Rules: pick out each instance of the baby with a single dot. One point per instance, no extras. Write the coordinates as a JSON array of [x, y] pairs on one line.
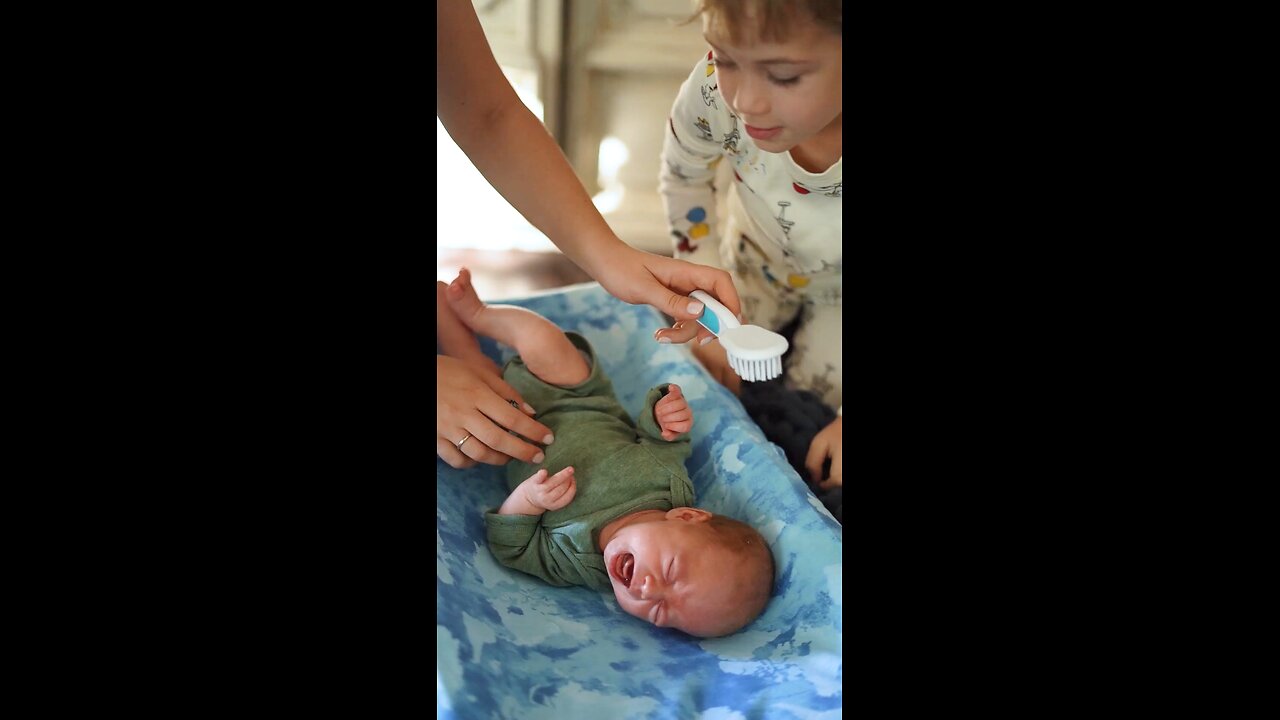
[[618, 510]]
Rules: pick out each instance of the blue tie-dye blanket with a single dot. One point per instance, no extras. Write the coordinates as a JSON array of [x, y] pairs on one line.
[[509, 646]]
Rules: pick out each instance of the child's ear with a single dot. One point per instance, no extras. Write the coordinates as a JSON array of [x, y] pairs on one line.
[[688, 514]]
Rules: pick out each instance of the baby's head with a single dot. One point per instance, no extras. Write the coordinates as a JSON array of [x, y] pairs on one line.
[[705, 574], [779, 65]]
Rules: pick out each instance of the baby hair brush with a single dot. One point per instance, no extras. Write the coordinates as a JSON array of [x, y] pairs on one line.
[[754, 353]]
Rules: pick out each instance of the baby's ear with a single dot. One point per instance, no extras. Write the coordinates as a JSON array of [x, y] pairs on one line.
[[688, 514]]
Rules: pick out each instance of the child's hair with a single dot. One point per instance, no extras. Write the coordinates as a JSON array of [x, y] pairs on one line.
[[770, 20], [753, 552]]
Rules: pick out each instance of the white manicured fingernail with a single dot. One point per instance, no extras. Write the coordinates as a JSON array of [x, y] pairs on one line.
[[539, 458], [706, 340], [548, 439], [664, 340], [695, 307]]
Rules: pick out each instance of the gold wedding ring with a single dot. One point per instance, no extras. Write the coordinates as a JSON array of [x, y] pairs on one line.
[[468, 437]]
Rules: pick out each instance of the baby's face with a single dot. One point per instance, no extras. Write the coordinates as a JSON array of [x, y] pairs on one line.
[[674, 573]]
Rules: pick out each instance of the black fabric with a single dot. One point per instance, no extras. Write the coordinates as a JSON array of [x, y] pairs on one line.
[[790, 419]]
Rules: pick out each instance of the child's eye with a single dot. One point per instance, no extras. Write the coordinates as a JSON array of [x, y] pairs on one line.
[[721, 62], [784, 81]]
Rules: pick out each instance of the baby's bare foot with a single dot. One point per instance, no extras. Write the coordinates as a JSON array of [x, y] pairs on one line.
[[463, 299]]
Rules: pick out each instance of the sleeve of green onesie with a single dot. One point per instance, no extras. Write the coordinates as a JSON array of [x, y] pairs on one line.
[[521, 543], [671, 453]]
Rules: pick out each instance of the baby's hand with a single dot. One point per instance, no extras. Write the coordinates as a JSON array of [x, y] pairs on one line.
[[673, 414], [550, 493]]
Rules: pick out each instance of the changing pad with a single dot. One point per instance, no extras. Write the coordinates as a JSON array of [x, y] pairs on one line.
[[510, 646]]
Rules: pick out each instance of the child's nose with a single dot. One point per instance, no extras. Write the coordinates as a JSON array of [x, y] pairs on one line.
[[751, 98]]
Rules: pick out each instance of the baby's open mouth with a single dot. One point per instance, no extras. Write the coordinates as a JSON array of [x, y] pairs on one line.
[[623, 566]]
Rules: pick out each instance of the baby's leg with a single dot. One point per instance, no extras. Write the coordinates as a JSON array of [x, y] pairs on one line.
[[455, 339], [545, 349]]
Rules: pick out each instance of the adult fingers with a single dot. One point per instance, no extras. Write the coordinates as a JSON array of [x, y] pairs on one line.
[[680, 332], [833, 481], [723, 290], [480, 451], [713, 281], [500, 410], [446, 451], [507, 394], [501, 443], [681, 307]]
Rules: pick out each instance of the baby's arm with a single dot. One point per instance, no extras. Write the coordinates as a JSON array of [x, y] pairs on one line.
[[541, 493]]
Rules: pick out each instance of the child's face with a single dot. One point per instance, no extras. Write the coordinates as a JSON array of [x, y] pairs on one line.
[[672, 572], [784, 93]]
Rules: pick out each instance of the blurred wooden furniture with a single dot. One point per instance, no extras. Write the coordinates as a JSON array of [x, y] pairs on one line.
[[509, 273]]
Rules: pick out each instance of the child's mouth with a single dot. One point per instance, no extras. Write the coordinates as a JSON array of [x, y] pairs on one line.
[[623, 566], [763, 133]]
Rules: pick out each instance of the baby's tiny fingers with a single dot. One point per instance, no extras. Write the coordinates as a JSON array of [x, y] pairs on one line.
[[560, 477], [558, 493], [677, 414]]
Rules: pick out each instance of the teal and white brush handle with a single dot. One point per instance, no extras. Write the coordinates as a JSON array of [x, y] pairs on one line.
[[754, 353]]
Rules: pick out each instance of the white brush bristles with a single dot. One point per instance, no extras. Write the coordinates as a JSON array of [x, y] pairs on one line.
[[756, 370], [754, 353]]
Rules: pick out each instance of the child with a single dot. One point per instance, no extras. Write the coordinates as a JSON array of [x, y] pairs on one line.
[[768, 97], [617, 511]]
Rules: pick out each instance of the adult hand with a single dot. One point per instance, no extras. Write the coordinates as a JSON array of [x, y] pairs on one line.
[[473, 416], [637, 277], [826, 444], [713, 358]]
